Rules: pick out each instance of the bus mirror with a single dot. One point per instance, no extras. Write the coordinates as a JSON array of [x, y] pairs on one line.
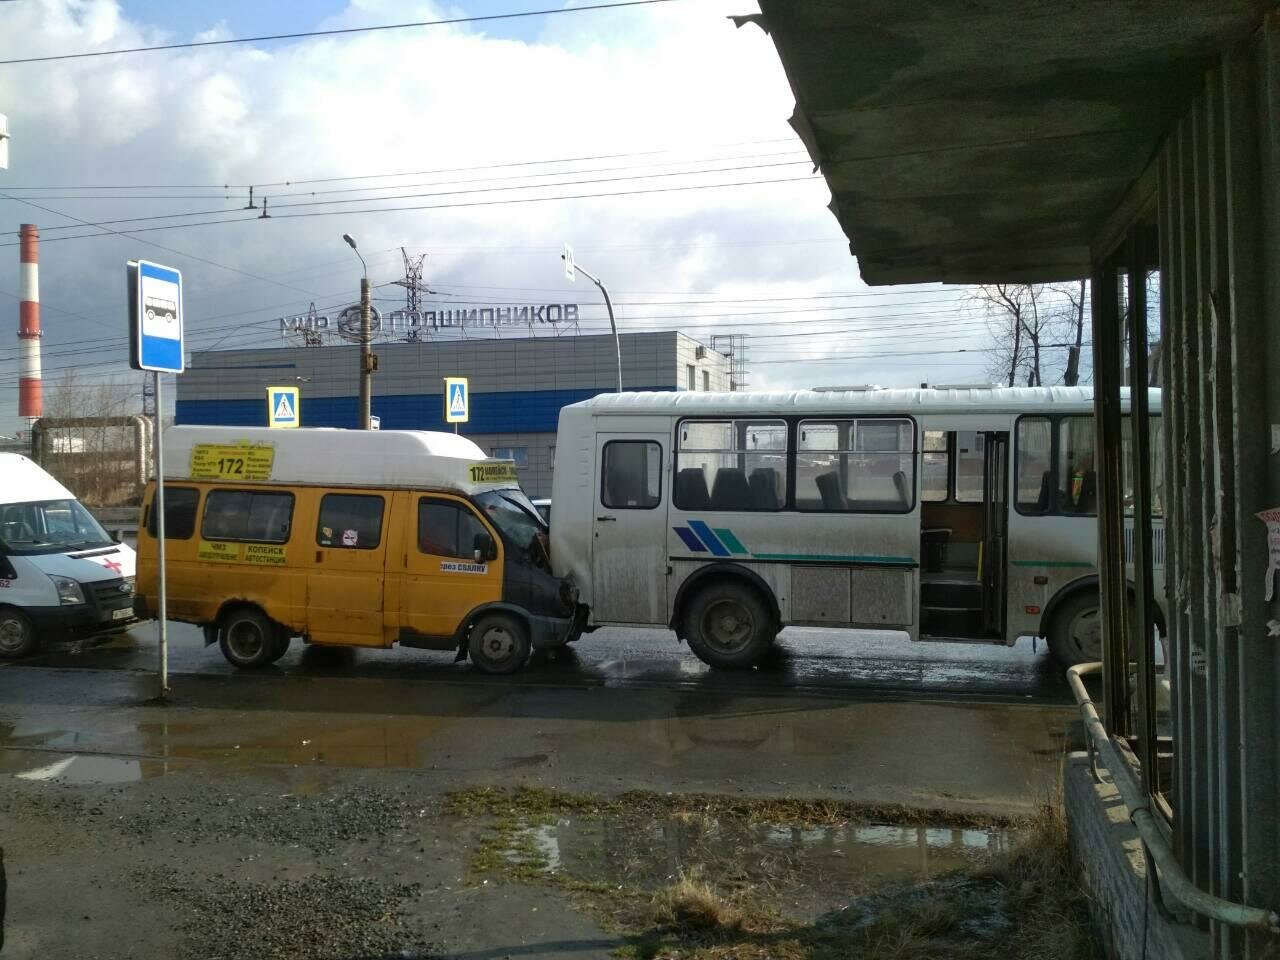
[[484, 548]]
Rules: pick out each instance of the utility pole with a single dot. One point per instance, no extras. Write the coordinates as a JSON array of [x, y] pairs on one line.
[[368, 362]]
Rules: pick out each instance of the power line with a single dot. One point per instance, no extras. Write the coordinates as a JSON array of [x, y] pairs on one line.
[[336, 32]]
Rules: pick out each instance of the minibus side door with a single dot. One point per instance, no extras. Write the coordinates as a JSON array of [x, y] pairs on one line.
[[629, 541], [441, 582], [344, 586]]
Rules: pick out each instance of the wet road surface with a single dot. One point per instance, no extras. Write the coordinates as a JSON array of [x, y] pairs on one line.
[[804, 662]]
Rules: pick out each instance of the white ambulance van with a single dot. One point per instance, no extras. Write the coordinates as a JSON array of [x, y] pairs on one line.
[[60, 572]]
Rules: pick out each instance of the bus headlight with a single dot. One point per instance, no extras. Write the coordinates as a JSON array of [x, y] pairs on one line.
[[68, 590]]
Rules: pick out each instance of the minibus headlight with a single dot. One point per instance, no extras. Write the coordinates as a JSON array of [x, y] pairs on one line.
[[68, 590]]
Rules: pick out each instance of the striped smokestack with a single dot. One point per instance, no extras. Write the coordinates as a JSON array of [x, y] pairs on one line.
[[29, 398]]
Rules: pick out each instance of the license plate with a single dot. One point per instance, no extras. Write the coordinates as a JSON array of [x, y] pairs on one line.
[[123, 614]]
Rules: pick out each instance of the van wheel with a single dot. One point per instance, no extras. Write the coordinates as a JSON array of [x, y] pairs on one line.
[[498, 644], [729, 626], [1075, 635], [17, 634], [282, 645], [248, 639]]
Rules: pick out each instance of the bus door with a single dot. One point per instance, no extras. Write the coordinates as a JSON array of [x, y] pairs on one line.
[[629, 536], [995, 543]]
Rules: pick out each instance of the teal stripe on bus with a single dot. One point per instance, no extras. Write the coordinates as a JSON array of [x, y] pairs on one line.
[[730, 541], [1080, 564], [830, 558]]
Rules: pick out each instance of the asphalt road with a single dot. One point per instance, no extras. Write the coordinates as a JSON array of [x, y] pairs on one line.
[[815, 661]]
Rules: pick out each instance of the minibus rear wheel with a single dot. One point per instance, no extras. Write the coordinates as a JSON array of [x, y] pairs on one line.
[[498, 644], [17, 634], [728, 625], [248, 639]]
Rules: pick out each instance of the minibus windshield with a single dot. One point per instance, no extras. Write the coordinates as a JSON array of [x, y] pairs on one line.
[[514, 514], [49, 526]]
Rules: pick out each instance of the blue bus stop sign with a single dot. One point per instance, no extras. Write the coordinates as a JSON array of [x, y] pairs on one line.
[[155, 314]]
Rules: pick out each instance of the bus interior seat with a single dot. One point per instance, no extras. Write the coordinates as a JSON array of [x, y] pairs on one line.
[[829, 486], [1088, 502], [900, 484], [764, 489], [1046, 488], [731, 490], [691, 489]]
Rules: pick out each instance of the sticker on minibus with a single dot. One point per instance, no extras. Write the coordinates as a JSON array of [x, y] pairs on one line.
[[493, 473], [451, 566], [232, 461], [268, 554], [218, 551]]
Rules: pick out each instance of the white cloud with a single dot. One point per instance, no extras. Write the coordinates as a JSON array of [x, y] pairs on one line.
[[668, 77]]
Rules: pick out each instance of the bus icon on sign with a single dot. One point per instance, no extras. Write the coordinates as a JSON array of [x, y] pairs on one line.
[[166, 310]]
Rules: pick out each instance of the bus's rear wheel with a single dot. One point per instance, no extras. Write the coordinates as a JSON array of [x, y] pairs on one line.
[[248, 639], [17, 634], [728, 625], [1075, 635], [498, 644]]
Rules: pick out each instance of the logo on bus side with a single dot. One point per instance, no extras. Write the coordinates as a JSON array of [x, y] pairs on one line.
[[700, 538]]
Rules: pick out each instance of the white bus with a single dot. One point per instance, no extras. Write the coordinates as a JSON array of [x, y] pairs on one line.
[[961, 514]]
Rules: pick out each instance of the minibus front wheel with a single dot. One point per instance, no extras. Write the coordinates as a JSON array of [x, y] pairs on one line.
[[248, 639], [498, 644], [17, 634]]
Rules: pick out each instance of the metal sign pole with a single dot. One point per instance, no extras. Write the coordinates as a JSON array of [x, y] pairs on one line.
[[158, 510]]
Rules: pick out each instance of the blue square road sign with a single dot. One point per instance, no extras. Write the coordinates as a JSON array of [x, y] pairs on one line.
[[155, 314]]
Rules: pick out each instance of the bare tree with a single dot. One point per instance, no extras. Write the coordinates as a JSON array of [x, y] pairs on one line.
[[1019, 325], [1071, 312], [92, 453]]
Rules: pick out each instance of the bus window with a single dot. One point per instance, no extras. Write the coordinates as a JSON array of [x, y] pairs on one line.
[[1077, 477], [855, 465], [970, 466], [350, 520], [1156, 440], [1035, 463], [935, 466], [179, 513], [447, 529], [246, 515], [631, 478], [731, 465]]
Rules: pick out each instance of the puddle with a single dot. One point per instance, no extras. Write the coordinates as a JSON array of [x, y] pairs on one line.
[[76, 768], [812, 866]]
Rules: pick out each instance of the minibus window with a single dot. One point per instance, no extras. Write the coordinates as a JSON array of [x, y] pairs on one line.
[[631, 478], [247, 515], [971, 465], [846, 466], [731, 465], [513, 514], [179, 513], [935, 466], [1035, 462], [350, 521], [447, 529], [1077, 476]]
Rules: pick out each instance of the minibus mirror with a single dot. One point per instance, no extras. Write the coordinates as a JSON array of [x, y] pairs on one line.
[[484, 548]]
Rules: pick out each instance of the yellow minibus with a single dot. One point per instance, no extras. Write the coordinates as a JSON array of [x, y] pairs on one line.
[[351, 538]]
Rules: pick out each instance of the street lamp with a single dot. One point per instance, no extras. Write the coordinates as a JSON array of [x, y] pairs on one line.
[[368, 363], [570, 266]]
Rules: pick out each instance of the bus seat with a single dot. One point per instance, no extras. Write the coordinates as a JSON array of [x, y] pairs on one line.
[[900, 484], [1046, 488], [731, 490], [691, 489], [1088, 502], [764, 489], [829, 487]]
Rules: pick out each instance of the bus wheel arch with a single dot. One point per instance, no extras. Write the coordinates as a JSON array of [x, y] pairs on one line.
[[248, 637], [729, 620], [720, 571], [18, 636], [1055, 623]]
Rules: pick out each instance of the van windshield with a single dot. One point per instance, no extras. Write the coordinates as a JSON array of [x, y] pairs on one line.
[[49, 526], [513, 514]]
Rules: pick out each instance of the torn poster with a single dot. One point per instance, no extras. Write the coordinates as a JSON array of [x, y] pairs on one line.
[[1272, 519]]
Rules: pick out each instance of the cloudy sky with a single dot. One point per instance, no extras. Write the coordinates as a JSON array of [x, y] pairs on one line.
[[653, 138]]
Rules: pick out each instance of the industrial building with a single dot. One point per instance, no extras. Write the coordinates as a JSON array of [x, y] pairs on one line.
[[517, 385]]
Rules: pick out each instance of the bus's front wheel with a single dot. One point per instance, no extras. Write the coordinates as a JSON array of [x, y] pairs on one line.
[[728, 625]]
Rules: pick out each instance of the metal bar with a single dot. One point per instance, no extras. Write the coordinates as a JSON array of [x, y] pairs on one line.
[[1176, 884], [1142, 646], [1106, 405], [158, 507]]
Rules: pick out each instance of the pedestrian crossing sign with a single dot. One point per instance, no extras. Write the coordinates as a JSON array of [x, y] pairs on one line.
[[456, 400], [282, 407]]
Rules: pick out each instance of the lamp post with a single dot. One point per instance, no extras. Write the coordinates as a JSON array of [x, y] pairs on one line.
[[368, 362], [570, 267]]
